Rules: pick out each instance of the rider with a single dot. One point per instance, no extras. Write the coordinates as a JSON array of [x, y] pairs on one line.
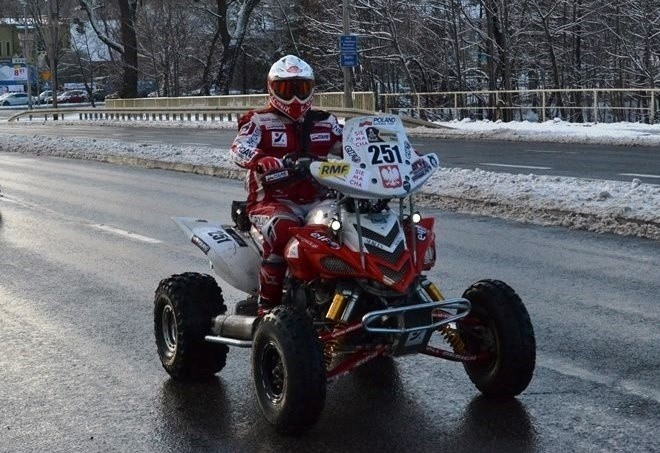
[[286, 125]]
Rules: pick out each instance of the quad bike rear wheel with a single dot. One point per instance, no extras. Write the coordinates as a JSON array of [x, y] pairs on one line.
[[502, 330], [184, 307], [288, 370]]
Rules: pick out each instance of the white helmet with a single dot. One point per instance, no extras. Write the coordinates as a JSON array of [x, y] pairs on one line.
[[291, 86]]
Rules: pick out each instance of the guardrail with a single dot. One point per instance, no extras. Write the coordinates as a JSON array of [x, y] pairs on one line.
[[362, 100], [176, 114]]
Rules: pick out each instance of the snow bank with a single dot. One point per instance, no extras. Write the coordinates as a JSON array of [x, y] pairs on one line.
[[626, 208]]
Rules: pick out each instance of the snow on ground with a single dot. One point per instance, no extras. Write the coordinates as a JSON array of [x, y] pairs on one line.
[[557, 131], [626, 208]]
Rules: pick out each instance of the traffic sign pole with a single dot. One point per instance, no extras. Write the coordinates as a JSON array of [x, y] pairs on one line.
[[348, 83]]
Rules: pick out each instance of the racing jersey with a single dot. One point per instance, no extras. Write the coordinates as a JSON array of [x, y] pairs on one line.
[[268, 132]]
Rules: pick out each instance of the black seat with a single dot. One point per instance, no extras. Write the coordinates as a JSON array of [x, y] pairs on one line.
[[239, 215]]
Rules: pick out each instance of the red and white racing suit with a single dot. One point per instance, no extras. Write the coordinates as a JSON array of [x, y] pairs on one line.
[[275, 209]]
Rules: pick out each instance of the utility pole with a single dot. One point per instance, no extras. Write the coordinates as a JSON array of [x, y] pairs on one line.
[[27, 41], [52, 38], [348, 81]]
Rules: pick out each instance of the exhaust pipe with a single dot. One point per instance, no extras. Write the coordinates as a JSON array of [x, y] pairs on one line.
[[228, 341], [236, 327]]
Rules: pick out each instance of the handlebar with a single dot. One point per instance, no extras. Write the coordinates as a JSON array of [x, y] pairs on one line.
[[296, 166], [300, 159]]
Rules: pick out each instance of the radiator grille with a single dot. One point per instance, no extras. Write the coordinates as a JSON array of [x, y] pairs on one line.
[[392, 257], [333, 264], [394, 275]]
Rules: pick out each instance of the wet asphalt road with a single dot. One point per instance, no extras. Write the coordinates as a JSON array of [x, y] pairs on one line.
[[83, 246]]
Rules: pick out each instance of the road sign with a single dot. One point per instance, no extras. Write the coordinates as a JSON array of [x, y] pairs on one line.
[[348, 44], [348, 60]]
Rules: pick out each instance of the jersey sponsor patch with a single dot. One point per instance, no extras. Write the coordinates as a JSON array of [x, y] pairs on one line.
[[253, 140], [245, 153], [247, 129], [278, 139], [275, 127], [320, 137]]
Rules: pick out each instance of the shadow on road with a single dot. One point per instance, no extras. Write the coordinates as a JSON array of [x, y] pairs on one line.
[[497, 425], [195, 415], [370, 410]]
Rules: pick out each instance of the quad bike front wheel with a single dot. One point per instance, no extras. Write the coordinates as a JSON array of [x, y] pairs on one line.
[[184, 307], [288, 370], [500, 329]]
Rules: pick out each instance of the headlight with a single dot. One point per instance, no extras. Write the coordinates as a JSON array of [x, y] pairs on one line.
[[335, 225], [416, 217], [429, 258]]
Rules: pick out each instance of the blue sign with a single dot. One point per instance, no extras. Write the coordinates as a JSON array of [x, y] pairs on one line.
[[348, 60], [348, 44]]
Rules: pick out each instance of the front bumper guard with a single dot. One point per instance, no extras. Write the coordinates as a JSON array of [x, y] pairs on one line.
[[416, 322]]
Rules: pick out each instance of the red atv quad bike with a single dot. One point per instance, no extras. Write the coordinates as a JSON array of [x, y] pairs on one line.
[[355, 289]]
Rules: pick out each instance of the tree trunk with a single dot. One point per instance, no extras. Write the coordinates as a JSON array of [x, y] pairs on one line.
[[231, 44], [127, 12]]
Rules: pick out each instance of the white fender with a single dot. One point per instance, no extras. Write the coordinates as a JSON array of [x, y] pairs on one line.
[[232, 254]]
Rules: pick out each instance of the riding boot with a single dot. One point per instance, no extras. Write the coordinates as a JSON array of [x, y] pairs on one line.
[[247, 307], [271, 281]]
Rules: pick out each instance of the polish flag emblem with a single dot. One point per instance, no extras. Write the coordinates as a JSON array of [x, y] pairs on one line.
[[391, 176]]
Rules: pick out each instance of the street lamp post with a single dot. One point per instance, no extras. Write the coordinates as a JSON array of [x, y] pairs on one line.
[[27, 41], [51, 38]]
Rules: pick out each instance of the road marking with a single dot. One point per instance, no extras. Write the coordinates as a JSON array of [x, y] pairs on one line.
[[550, 151], [126, 234], [531, 167], [627, 386], [106, 228], [639, 175]]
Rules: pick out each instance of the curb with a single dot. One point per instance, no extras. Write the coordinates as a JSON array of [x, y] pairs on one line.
[[568, 219]]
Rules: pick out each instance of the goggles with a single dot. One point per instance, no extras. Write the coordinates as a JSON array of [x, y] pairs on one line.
[[287, 89]]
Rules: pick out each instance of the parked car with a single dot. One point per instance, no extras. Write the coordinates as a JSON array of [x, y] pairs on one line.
[[48, 99], [72, 96], [14, 99], [46, 95]]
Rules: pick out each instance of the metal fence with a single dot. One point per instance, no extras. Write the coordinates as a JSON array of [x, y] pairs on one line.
[[576, 105], [362, 100]]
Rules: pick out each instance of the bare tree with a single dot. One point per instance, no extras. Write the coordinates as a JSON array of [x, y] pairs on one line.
[[51, 26], [190, 46], [171, 39], [126, 47]]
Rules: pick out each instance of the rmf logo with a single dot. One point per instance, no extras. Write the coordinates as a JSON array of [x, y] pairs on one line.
[[327, 170]]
